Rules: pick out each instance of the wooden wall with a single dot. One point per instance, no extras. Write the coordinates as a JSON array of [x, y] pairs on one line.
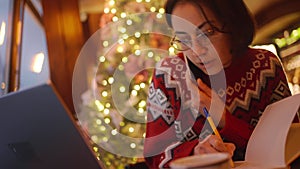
[[65, 39]]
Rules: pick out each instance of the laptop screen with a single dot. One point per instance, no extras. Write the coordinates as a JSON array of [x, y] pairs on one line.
[[38, 132]]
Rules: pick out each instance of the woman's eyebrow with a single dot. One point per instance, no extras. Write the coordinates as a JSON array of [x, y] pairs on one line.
[[198, 27], [202, 25], [180, 32]]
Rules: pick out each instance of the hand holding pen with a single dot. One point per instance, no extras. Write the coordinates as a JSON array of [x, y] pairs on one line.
[[214, 143], [209, 99], [215, 130]]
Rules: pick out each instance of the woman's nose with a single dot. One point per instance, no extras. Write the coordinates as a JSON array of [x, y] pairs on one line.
[[199, 47]]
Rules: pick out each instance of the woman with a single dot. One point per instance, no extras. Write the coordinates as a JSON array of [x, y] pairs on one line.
[[215, 69]]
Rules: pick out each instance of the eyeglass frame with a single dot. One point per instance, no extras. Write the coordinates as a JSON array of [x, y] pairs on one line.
[[211, 31]]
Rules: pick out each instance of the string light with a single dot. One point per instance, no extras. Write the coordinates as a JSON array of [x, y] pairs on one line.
[[107, 120], [115, 19], [104, 93], [123, 15], [122, 124], [153, 9], [137, 87], [113, 11], [150, 54], [104, 82], [137, 52], [161, 10], [111, 2], [106, 111], [107, 105], [159, 15], [99, 105], [121, 67], [105, 139], [131, 129], [121, 41], [172, 51], [125, 59], [157, 58], [95, 149], [102, 128], [125, 36], [142, 103], [122, 89], [106, 10], [134, 93], [102, 59], [137, 34], [133, 145], [114, 132], [94, 138], [122, 30], [141, 110], [105, 44], [142, 85], [129, 22], [131, 41], [120, 49], [110, 80], [98, 121]]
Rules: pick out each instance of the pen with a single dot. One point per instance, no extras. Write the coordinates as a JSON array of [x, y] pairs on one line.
[[213, 126]]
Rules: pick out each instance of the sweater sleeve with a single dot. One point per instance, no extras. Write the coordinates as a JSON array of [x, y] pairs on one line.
[[173, 151], [280, 88], [238, 126], [237, 130], [279, 84], [161, 144]]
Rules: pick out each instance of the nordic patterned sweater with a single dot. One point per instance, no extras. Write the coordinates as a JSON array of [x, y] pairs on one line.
[[173, 128]]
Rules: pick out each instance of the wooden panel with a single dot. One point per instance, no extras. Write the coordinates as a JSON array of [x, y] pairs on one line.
[[16, 44], [94, 22], [65, 40], [276, 10]]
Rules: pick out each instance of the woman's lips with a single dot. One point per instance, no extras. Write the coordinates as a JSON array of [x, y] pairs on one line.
[[207, 64]]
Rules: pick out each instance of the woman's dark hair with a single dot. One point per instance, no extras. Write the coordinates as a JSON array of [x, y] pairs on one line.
[[233, 13]]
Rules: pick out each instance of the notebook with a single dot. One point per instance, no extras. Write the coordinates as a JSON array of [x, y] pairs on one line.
[[38, 132], [274, 142]]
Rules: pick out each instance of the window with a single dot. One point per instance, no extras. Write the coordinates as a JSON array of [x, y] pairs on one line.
[[5, 28], [34, 68], [26, 65]]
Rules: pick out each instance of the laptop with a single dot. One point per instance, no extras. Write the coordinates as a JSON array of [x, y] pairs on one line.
[[38, 132]]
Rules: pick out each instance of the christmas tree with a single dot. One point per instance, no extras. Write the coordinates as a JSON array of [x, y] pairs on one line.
[[133, 36]]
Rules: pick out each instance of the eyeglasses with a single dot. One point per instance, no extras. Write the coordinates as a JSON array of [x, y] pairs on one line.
[[185, 43], [203, 38]]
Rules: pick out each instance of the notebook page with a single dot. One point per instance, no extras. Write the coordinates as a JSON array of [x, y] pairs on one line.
[[266, 145]]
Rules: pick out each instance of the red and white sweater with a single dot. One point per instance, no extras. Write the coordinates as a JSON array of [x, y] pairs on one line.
[[173, 128]]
